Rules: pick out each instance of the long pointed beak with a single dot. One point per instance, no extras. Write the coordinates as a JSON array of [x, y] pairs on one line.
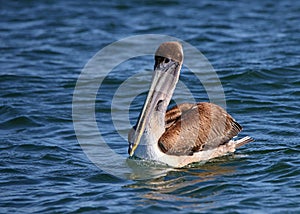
[[164, 80]]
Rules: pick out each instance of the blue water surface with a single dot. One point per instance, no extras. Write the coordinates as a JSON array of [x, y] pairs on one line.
[[253, 46]]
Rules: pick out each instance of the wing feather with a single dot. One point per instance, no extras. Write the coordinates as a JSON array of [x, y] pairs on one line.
[[195, 127]]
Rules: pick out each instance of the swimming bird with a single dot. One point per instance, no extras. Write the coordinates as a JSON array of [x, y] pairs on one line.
[[187, 133]]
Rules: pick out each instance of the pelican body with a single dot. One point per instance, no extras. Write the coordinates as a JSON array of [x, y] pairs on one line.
[[187, 133]]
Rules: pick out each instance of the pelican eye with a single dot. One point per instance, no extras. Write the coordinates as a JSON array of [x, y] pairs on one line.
[[167, 60]]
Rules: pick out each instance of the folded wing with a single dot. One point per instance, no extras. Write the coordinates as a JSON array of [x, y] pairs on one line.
[[192, 128]]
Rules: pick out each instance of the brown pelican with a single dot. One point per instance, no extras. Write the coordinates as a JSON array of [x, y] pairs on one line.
[[186, 133]]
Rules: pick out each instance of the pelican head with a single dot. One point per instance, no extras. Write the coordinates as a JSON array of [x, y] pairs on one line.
[[168, 62]]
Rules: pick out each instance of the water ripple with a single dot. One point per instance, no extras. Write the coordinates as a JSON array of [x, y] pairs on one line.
[[254, 48]]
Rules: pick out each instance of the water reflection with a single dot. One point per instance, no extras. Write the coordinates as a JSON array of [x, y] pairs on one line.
[[184, 181], [143, 170]]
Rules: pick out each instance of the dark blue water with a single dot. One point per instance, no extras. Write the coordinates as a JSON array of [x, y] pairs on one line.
[[255, 50]]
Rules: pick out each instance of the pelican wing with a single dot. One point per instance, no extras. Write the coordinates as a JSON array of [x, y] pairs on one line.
[[195, 127]]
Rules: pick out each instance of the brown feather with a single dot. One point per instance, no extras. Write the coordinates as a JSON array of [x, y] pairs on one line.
[[195, 127], [175, 113]]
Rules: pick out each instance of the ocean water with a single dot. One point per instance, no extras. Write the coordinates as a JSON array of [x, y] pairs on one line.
[[254, 47]]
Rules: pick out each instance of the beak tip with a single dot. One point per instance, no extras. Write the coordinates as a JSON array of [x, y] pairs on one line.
[[131, 154]]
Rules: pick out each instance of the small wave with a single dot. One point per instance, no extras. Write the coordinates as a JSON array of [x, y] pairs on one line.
[[19, 122]]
